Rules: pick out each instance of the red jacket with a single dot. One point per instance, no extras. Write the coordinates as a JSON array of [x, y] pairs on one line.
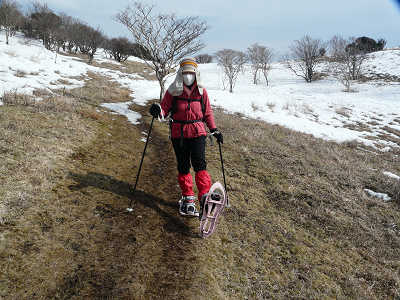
[[184, 113]]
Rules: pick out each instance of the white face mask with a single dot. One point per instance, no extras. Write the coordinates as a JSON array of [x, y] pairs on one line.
[[188, 78]]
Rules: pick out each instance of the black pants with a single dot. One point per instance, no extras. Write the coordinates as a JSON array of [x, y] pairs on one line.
[[192, 150]]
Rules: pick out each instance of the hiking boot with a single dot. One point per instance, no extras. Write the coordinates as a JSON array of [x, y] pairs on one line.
[[187, 207]]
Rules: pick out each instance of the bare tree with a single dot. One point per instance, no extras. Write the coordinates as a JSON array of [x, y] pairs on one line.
[[74, 35], [266, 65], [10, 17], [63, 33], [304, 57], [204, 58], [45, 24], [94, 39], [165, 37], [81, 33], [119, 48], [336, 46], [260, 59], [381, 43], [232, 63], [346, 63]]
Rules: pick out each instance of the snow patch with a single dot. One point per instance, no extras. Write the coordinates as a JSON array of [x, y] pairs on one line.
[[123, 109], [381, 196], [391, 175]]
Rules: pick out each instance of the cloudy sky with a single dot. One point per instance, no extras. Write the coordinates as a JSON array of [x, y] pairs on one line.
[[237, 24]]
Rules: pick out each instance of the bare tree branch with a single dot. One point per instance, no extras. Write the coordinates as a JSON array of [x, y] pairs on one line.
[[204, 58], [10, 17], [346, 61], [232, 63], [260, 59], [304, 57], [166, 38]]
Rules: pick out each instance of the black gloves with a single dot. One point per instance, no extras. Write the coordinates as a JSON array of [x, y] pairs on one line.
[[155, 110], [218, 135]]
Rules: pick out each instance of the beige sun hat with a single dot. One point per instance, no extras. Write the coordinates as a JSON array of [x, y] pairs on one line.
[[186, 65]]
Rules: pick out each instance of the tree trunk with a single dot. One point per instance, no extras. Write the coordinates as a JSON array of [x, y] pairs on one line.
[[7, 35], [266, 79], [309, 74], [162, 88], [255, 77]]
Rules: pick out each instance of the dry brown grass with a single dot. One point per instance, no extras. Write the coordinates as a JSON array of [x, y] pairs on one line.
[[34, 135], [358, 126], [98, 89], [129, 67], [373, 123], [392, 130], [344, 111], [319, 76], [37, 140], [20, 74], [271, 106], [256, 107], [390, 138], [14, 98]]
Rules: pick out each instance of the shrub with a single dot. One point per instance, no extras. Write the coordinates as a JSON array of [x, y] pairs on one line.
[[304, 57], [204, 58], [366, 45], [232, 63]]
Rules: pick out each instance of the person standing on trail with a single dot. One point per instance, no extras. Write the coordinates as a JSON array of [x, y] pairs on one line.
[[187, 102]]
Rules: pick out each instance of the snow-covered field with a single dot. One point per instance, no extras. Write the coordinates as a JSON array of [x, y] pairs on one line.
[[26, 66], [320, 108]]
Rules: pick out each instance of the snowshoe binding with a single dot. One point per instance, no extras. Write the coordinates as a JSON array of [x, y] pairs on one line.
[[187, 207], [212, 205]]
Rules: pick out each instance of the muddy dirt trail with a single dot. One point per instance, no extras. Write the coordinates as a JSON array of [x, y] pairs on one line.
[[116, 254]]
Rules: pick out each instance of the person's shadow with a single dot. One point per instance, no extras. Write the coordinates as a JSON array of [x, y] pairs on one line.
[[108, 183]]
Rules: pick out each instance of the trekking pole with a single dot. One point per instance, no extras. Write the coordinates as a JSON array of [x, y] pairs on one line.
[[140, 166], [223, 174]]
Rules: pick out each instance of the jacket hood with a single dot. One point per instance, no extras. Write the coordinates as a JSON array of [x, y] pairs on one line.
[[176, 88]]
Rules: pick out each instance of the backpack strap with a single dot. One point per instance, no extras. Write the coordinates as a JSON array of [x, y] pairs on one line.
[[203, 106], [174, 106]]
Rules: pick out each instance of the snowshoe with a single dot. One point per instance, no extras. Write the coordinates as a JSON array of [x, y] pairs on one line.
[[212, 205]]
